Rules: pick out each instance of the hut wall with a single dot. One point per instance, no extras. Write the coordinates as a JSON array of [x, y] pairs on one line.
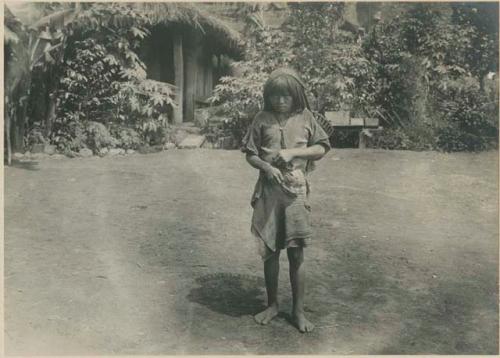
[[199, 70], [199, 73]]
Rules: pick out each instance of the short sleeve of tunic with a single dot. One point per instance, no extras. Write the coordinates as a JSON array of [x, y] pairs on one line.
[[317, 135], [252, 140]]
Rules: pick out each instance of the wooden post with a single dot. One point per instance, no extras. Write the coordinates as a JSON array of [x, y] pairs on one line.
[[362, 140], [209, 80], [7, 129], [194, 74], [179, 77], [191, 79]]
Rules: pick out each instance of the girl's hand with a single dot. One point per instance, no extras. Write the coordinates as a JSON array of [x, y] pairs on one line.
[[284, 157], [274, 174]]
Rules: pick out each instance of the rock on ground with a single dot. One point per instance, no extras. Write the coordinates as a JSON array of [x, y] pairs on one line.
[[116, 151], [85, 152], [49, 149], [192, 141], [169, 146]]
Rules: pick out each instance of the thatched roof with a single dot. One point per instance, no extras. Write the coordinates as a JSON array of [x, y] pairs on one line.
[[227, 40], [192, 15]]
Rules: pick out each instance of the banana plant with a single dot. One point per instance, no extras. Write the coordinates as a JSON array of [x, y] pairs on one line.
[[33, 42]]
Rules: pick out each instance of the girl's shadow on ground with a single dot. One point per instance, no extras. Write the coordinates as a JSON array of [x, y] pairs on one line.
[[229, 294]]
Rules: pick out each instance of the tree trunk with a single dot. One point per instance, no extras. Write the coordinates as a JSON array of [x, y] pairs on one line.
[[19, 126], [49, 104], [51, 115], [7, 130], [22, 94], [179, 78]]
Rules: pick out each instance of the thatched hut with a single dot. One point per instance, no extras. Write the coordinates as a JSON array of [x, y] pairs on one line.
[[186, 48]]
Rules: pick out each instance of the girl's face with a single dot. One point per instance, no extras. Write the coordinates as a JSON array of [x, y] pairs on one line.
[[282, 103]]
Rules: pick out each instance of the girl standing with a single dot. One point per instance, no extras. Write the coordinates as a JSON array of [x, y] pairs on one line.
[[283, 142]]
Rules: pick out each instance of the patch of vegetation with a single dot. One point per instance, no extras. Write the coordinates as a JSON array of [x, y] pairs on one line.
[[421, 73]]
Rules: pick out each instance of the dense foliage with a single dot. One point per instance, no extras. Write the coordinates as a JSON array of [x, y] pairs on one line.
[[429, 70], [328, 57], [32, 51], [329, 60], [421, 73], [96, 88], [104, 81]]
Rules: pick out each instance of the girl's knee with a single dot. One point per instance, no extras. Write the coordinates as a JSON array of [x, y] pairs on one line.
[[272, 256], [295, 255]]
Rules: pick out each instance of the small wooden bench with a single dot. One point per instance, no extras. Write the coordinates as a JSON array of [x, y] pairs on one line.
[[365, 126]]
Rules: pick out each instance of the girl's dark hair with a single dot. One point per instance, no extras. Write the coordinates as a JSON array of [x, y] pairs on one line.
[[285, 85]]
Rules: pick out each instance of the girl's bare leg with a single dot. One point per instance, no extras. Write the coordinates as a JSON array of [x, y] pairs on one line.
[[271, 273], [297, 281]]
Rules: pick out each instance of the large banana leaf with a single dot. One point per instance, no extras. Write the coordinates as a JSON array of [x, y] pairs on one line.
[[58, 19], [10, 36]]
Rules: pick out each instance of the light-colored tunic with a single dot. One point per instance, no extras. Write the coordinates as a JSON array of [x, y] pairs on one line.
[[281, 212]]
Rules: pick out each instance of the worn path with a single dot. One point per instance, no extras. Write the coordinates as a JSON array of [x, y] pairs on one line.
[[151, 254]]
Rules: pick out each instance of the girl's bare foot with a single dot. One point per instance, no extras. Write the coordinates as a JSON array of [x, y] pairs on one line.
[[267, 315], [302, 323]]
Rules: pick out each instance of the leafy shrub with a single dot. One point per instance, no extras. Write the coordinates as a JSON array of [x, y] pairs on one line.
[[330, 61], [127, 138], [452, 139], [87, 86], [35, 136], [408, 138], [102, 80], [70, 136], [392, 138], [237, 128], [467, 120], [147, 104], [428, 71], [98, 137], [266, 50], [240, 96]]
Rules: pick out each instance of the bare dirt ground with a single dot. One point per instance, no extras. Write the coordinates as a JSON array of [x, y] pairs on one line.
[[151, 254]]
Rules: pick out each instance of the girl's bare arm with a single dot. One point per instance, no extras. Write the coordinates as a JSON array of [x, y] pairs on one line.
[[313, 152], [271, 172]]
